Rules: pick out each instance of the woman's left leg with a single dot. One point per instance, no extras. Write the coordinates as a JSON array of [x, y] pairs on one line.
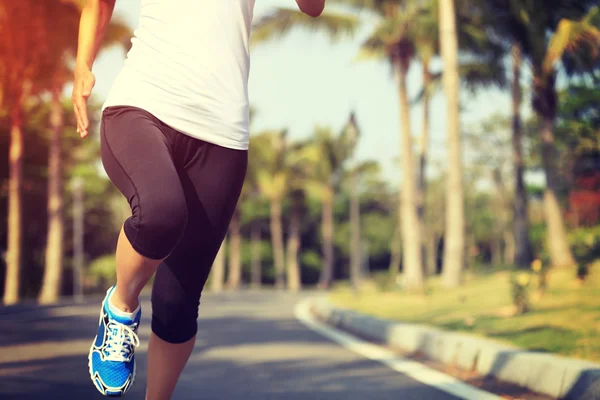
[[212, 179]]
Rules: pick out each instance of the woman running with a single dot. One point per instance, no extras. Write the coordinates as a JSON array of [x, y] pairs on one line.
[[174, 141]]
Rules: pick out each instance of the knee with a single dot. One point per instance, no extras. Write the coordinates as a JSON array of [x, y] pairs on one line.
[[166, 215], [158, 225], [173, 319]]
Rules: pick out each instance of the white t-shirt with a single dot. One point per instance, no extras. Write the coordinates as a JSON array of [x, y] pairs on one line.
[[189, 66]]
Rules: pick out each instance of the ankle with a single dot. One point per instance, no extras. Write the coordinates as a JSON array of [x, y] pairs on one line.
[[127, 305]]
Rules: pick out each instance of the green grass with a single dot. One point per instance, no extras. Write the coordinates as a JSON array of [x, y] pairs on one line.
[[565, 320]]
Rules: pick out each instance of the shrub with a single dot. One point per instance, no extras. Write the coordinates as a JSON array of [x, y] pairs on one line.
[[585, 243], [520, 282], [103, 270]]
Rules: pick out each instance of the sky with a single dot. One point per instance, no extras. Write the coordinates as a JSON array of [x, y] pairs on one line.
[[304, 80]]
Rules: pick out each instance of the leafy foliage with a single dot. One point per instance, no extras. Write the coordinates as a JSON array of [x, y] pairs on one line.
[[282, 20]]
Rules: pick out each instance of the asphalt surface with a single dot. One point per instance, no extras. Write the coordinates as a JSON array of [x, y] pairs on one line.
[[249, 346]]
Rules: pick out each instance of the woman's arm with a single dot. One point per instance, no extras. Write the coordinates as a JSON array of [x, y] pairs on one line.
[[95, 16], [314, 8]]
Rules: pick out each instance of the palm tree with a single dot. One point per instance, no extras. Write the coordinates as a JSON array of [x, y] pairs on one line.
[[269, 157], [395, 37], [299, 166], [355, 231], [395, 252], [523, 250], [281, 172], [253, 213], [481, 68], [294, 281], [454, 236], [21, 52], [426, 38], [547, 34], [60, 39], [325, 158], [357, 174], [489, 149], [252, 207], [434, 221]]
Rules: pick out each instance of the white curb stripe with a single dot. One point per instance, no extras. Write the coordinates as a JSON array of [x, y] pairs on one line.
[[415, 370]]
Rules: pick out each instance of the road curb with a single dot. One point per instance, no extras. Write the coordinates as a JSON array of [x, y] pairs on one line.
[[556, 376]]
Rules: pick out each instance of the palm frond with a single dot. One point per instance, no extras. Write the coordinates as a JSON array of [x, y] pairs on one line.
[[380, 7], [397, 35], [478, 74], [373, 48], [571, 36], [368, 167], [272, 184], [316, 190], [280, 22]]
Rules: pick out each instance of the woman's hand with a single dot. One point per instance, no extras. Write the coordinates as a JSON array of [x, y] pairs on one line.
[[82, 88]]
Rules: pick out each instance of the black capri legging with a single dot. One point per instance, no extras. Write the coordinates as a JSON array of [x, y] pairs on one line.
[[182, 192]]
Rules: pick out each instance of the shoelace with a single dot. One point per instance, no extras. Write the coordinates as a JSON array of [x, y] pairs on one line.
[[120, 341]]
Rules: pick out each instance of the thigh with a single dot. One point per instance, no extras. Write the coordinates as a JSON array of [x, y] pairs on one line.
[[212, 179], [137, 156]]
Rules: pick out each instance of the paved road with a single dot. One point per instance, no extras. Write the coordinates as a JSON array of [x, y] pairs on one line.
[[249, 346]]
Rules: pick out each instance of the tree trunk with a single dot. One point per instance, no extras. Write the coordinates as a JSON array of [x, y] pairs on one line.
[[411, 226], [355, 250], [496, 250], [51, 285], [294, 283], [432, 244], [424, 146], [499, 204], [327, 232], [235, 253], [256, 256], [523, 252], [15, 198], [78, 237], [277, 242], [558, 246], [396, 252], [218, 269], [454, 239], [509, 247]]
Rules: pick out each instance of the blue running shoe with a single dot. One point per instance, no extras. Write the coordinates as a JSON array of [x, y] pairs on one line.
[[112, 358]]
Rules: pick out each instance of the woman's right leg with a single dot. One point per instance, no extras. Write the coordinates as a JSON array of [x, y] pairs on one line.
[[136, 155], [133, 273]]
